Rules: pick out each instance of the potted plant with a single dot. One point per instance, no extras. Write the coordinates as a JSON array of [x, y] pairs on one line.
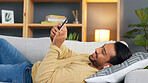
[[73, 36], [139, 33]]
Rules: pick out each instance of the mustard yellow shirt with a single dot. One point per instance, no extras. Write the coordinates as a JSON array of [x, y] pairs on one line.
[[62, 65]]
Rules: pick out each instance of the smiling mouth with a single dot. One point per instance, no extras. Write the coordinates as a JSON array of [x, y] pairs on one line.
[[91, 56], [94, 55], [93, 61]]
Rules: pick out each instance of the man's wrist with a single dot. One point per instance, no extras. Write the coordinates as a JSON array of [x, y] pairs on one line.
[[56, 44]]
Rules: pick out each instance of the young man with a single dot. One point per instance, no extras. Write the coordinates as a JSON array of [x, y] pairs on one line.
[[61, 65]]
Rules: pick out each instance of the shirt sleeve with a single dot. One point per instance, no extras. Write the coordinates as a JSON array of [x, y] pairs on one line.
[[51, 62], [66, 52], [48, 65]]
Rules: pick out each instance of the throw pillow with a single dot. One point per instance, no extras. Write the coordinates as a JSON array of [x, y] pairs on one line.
[[117, 73]]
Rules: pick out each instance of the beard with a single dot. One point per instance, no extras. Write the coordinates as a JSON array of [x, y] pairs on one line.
[[96, 64]]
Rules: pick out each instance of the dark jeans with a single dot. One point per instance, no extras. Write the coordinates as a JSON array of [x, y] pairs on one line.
[[14, 66]]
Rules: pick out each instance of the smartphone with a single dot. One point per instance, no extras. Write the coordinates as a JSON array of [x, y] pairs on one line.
[[63, 23]]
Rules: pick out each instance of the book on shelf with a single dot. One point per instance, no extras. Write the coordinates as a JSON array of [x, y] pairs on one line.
[[53, 19], [57, 16], [50, 22], [56, 20]]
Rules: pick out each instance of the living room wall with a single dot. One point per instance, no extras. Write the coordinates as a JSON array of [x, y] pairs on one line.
[[101, 16]]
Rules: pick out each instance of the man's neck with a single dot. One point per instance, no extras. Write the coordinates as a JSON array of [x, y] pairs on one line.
[[99, 68]]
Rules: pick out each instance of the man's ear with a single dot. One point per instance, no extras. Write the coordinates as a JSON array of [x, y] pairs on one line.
[[107, 65]]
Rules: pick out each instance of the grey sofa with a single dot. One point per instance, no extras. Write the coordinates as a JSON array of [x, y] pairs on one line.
[[35, 50]]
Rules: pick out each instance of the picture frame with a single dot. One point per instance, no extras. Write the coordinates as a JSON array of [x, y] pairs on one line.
[[7, 16]]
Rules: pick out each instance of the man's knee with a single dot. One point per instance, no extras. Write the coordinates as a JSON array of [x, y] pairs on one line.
[[2, 41]]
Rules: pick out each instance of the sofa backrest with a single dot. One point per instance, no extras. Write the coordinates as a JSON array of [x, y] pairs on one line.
[[35, 49]]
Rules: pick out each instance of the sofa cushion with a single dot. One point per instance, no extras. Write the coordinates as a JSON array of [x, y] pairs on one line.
[[137, 76], [85, 47], [116, 74]]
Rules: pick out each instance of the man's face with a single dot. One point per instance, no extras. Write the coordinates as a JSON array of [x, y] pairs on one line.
[[102, 54]]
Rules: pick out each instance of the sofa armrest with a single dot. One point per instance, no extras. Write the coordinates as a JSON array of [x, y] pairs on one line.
[[137, 76]]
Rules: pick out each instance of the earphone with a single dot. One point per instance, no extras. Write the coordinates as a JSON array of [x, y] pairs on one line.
[[106, 66]]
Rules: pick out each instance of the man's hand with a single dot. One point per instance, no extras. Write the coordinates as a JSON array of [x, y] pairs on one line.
[[53, 32], [59, 36]]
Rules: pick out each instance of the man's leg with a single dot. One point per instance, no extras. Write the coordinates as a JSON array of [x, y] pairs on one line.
[[12, 73], [10, 55], [14, 66]]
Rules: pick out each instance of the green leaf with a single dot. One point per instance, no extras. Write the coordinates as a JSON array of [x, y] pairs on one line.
[[146, 35], [70, 36], [142, 30], [8, 15], [129, 34], [146, 67], [77, 37], [146, 10], [74, 36], [131, 25], [142, 15], [140, 40], [135, 25]]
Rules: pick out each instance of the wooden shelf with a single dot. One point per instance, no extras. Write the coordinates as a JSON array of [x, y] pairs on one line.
[[57, 0], [48, 26], [102, 1], [11, 0], [16, 25], [28, 15]]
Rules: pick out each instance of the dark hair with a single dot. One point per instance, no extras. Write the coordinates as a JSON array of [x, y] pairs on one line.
[[122, 53]]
